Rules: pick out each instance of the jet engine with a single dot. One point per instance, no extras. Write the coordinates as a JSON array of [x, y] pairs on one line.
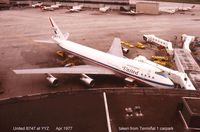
[[69, 64], [125, 50], [129, 80], [87, 80], [52, 80]]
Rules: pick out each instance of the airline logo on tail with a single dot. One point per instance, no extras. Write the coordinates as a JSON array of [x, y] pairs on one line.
[[58, 33]]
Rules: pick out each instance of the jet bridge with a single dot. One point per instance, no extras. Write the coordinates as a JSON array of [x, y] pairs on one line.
[[164, 43], [187, 41], [177, 77]]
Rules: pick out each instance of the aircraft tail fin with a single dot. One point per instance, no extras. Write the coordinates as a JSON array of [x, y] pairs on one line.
[[57, 31], [116, 48]]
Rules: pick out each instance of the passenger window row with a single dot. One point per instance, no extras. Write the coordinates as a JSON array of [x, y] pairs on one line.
[[147, 76]]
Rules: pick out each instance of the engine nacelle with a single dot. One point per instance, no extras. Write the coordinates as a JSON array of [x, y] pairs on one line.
[[52, 80], [69, 64], [130, 80], [125, 50], [87, 80]]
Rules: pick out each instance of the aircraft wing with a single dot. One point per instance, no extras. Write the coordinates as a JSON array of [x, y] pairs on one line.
[[116, 48], [81, 69]]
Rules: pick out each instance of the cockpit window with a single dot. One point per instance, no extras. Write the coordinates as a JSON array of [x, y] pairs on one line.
[[162, 74]]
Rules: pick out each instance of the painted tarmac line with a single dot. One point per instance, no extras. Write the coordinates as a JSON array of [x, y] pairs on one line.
[[107, 112]]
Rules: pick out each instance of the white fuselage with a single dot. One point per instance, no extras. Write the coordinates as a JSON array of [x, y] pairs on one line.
[[123, 66]]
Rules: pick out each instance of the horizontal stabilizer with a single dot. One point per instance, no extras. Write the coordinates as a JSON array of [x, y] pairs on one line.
[[45, 41]]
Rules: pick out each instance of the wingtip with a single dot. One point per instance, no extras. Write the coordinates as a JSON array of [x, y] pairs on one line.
[[15, 71], [18, 71]]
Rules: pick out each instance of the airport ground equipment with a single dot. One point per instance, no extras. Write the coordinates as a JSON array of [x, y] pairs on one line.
[[177, 77], [187, 41], [163, 63], [61, 54], [164, 43], [159, 58], [125, 50], [127, 44], [74, 61], [162, 60], [140, 45]]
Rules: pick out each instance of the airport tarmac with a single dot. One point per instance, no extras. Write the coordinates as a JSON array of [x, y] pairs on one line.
[[85, 111], [21, 26]]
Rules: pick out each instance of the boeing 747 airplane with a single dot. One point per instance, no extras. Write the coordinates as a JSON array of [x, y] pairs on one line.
[[112, 62]]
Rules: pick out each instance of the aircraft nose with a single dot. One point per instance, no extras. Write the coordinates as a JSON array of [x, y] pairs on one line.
[[169, 82]]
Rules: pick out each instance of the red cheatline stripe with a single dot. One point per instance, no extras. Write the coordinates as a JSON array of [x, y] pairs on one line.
[[117, 70]]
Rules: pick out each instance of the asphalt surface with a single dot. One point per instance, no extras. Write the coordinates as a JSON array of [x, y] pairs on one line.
[[85, 111], [55, 113]]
